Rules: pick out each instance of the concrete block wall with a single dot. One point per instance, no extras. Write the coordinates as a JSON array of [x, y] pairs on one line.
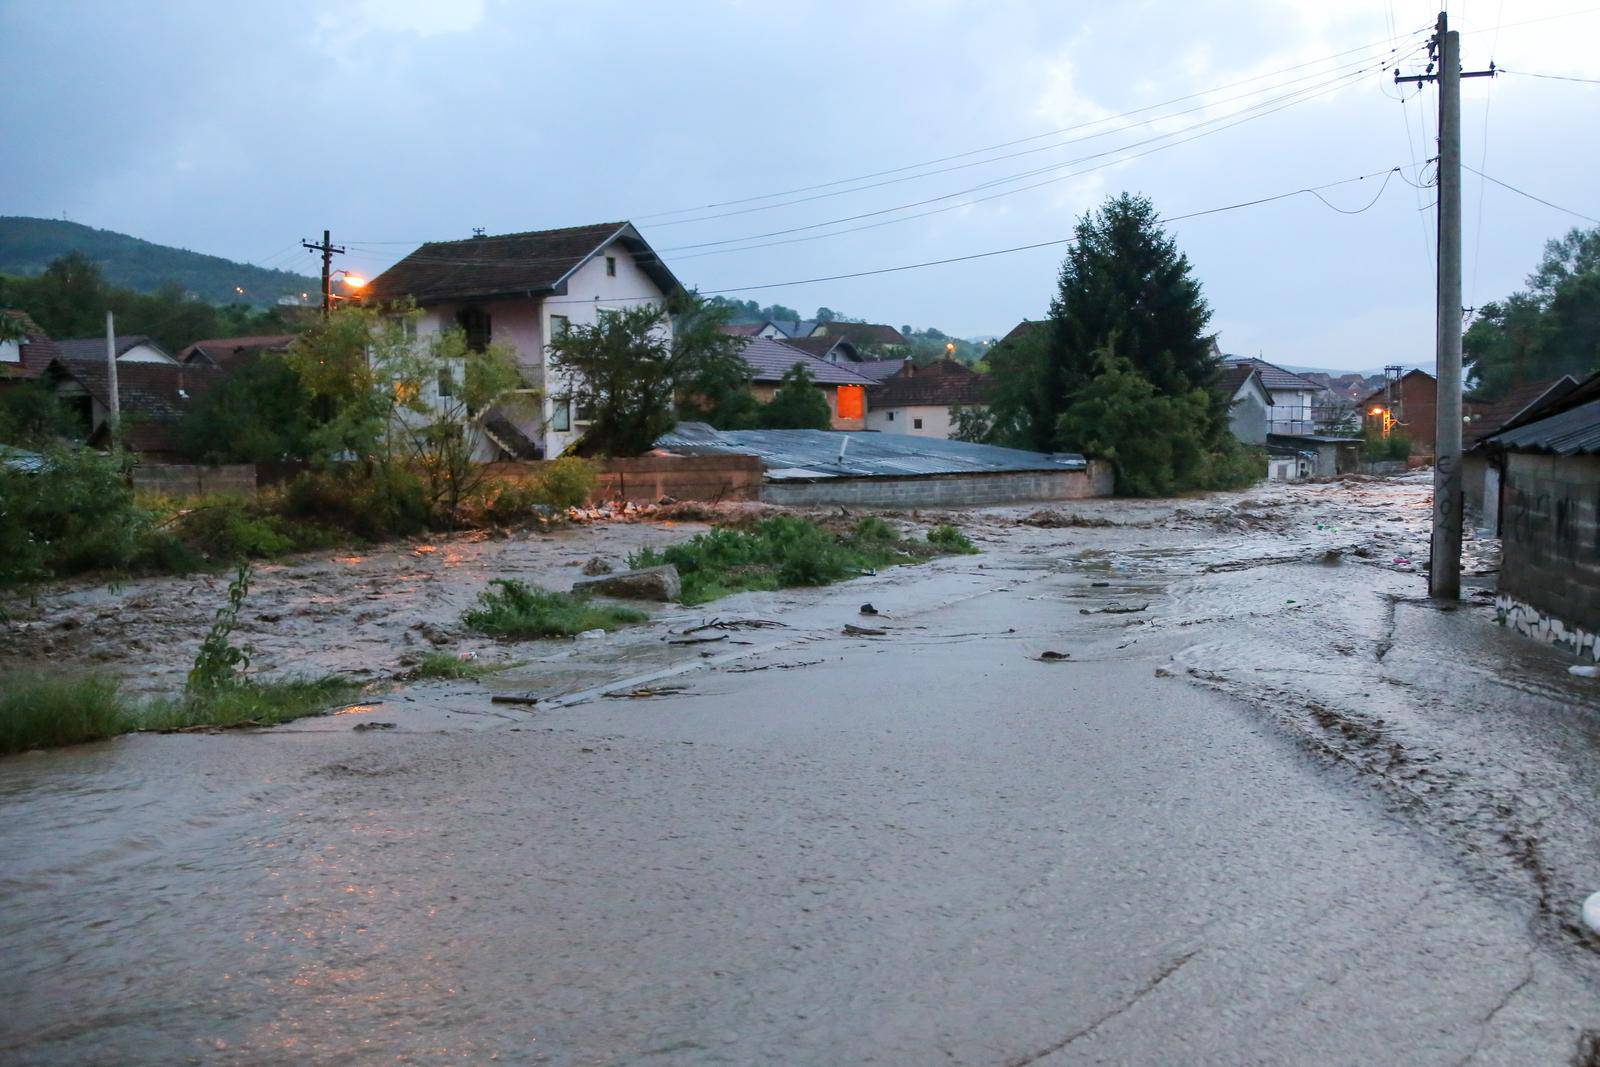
[[942, 490], [647, 479], [187, 479], [1550, 537]]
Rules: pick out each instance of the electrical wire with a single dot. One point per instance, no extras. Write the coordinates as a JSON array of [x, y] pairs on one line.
[[1483, 161], [1530, 196], [1550, 77]]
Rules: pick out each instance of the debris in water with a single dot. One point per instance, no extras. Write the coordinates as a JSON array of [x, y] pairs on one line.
[[646, 691], [590, 635], [597, 566], [1591, 912], [868, 609], [1583, 670], [513, 698], [466, 655], [1113, 609], [698, 640], [1099, 585], [851, 630], [1052, 656], [373, 726]]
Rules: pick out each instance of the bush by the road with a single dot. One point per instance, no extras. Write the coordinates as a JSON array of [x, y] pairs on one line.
[[518, 611]]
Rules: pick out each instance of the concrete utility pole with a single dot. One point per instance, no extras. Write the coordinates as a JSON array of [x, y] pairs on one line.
[[328, 251], [114, 416], [1444, 573]]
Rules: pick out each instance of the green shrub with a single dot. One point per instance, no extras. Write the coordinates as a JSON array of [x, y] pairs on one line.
[[950, 539], [505, 502], [388, 502], [259, 703], [437, 664], [231, 528], [40, 710], [1377, 448], [568, 482], [518, 611], [872, 528]]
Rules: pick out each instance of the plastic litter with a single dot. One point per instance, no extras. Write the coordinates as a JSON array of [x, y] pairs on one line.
[[1591, 912], [466, 656], [1583, 670], [590, 635]]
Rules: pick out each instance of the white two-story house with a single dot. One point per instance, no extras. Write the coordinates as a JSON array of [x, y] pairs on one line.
[[1292, 397], [520, 290]]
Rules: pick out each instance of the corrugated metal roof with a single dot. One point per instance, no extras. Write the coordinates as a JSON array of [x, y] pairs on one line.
[[1574, 432], [808, 455]]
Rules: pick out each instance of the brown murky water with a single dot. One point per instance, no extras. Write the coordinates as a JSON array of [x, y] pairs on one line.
[[1274, 806]]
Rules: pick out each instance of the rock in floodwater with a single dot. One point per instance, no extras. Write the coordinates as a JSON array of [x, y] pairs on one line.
[[597, 566], [646, 583]]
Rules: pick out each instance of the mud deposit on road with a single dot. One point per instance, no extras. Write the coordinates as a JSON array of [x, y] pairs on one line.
[[1146, 781]]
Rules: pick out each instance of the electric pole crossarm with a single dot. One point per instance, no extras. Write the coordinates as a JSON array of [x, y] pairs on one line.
[[328, 250]]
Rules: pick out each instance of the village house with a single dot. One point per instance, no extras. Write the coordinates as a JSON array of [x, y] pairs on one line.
[[840, 382], [776, 330], [871, 336], [152, 398], [1480, 479], [1293, 396], [229, 352], [921, 400], [1249, 403], [1406, 406], [1549, 585], [521, 290], [24, 356], [130, 348]]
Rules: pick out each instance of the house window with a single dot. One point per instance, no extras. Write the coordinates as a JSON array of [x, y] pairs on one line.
[[561, 416], [606, 315], [852, 402], [582, 413], [474, 322], [611, 266], [447, 384], [891, 416], [916, 424], [559, 325]]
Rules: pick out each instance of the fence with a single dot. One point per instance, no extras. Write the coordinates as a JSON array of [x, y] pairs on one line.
[[647, 479], [189, 479]]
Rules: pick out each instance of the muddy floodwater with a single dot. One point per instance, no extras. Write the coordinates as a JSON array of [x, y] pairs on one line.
[[1198, 781]]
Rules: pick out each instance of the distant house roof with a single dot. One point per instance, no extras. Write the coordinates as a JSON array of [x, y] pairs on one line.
[[880, 370], [741, 329], [810, 455], [770, 359], [1025, 328], [36, 349], [536, 263], [1520, 400], [152, 397], [1382, 389], [864, 333], [1275, 377], [825, 346], [792, 327], [944, 384], [220, 351], [95, 347]]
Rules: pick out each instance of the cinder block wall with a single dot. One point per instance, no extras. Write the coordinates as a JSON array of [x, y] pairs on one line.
[[186, 479], [647, 479], [1550, 536], [942, 491]]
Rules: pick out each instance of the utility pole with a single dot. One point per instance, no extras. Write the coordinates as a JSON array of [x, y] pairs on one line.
[[114, 416], [328, 250], [1444, 572]]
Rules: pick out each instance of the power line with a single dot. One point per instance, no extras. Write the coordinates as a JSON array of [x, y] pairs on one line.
[[1530, 196], [1551, 77], [1483, 161]]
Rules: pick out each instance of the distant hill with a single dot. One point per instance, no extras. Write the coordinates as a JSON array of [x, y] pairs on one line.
[[28, 245]]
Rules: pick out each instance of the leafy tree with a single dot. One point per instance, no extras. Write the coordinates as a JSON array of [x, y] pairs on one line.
[[259, 412], [1549, 329], [971, 423], [797, 404], [1160, 442], [628, 370], [33, 416]]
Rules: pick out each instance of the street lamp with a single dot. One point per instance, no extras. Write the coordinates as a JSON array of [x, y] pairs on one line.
[[350, 281]]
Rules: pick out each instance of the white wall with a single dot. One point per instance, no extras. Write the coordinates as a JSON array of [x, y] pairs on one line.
[[935, 420], [1291, 411], [145, 354], [10, 352]]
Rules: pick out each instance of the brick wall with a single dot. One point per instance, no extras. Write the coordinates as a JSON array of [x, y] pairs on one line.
[[1550, 535], [945, 490], [186, 479], [647, 479]]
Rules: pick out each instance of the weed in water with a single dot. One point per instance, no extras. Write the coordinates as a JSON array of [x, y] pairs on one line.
[[39, 710], [950, 539], [248, 703], [518, 611], [219, 663], [444, 665]]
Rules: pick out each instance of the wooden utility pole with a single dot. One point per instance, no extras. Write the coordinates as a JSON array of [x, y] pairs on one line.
[[114, 416], [328, 250], [1444, 572]]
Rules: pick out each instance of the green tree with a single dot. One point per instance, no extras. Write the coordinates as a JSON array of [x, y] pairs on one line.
[[259, 412], [629, 370], [797, 404], [1549, 329], [33, 416]]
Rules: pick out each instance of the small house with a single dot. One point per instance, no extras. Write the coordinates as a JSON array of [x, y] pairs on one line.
[[130, 348], [1249, 403], [25, 349], [1408, 406], [920, 400], [841, 384], [1480, 479], [229, 352], [151, 399], [1293, 396]]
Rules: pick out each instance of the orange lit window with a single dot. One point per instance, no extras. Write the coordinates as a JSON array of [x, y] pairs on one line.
[[852, 402]]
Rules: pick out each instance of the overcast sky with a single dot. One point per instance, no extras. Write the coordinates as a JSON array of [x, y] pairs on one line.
[[238, 128]]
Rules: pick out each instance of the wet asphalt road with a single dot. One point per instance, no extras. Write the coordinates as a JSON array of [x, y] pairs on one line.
[[926, 847]]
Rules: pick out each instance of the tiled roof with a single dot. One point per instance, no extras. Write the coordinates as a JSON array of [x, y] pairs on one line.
[[880, 370], [1025, 328], [1275, 377], [512, 264], [946, 383], [36, 349], [741, 329], [152, 397], [822, 347], [219, 351], [864, 333], [1518, 400], [1383, 389], [1232, 376], [770, 359], [792, 328], [95, 347]]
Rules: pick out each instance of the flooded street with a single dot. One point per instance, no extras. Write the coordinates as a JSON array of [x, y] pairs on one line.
[[1265, 803]]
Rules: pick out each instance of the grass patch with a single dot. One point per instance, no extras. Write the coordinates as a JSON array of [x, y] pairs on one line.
[[781, 552], [518, 611], [438, 664], [952, 540], [248, 703], [39, 710]]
